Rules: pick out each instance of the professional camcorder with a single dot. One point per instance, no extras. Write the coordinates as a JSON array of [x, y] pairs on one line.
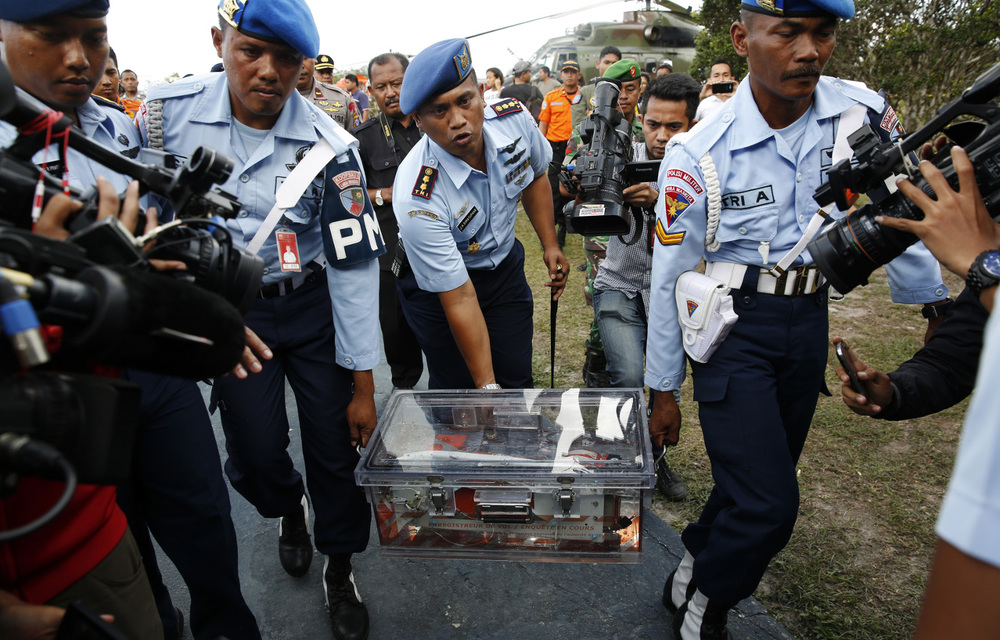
[[99, 299], [604, 167], [848, 250]]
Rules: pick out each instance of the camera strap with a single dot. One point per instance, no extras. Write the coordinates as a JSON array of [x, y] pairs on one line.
[[850, 121], [292, 189]]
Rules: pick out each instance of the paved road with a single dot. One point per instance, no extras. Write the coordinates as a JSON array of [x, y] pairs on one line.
[[461, 599]]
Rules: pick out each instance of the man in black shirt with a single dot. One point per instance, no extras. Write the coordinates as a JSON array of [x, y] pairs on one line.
[[523, 90], [384, 142]]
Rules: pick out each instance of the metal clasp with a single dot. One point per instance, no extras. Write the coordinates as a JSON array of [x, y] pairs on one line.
[[565, 495]]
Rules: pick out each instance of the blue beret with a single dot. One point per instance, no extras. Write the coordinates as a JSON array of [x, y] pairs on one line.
[[802, 8], [287, 22], [22, 11], [438, 68]]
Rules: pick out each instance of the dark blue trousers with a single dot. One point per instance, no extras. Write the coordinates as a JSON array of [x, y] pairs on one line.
[[177, 492], [756, 399], [505, 298], [298, 328]]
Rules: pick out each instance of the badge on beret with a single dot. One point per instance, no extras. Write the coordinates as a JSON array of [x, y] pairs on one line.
[[507, 106], [463, 60], [229, 10], [425, 182]]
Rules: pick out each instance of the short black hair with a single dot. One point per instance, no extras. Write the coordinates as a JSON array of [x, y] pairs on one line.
[[678, 87], [111, 54], [353, 78], [545, 69], [385, 58], [722, 61], [610, 49], [132, 72], [496, 73]]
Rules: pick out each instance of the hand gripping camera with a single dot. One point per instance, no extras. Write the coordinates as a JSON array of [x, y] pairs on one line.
[[848, 250]]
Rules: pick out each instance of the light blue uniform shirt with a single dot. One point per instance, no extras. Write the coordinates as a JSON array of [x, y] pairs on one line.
[[464, 205], [103, 124], [196, 112], [970, 515], [767, 195]]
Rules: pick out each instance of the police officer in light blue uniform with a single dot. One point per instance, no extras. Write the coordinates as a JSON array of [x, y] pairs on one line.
[[738, 192], [317, 311], [455, 198], [177, 490]]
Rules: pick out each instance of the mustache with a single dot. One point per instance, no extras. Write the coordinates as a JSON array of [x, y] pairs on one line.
[[805, 71]]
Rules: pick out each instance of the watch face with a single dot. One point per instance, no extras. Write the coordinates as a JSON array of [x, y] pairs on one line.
[[991, 264]]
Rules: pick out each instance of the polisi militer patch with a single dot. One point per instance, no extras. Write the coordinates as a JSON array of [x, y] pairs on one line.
[[507, 106], [425, 182]]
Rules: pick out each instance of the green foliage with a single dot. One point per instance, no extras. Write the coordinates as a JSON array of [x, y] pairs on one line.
[[923, 53], [714, 42]]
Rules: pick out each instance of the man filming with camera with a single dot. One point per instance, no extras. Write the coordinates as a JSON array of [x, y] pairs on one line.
[[739, 193]]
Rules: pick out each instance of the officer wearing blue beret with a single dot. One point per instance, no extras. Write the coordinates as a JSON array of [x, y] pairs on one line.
[[57, 51], [315, 320], [738, 192], [455, 197]]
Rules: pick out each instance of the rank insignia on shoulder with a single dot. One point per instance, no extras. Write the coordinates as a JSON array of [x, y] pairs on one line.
[[506, 107], [667, 239], [425, 182]]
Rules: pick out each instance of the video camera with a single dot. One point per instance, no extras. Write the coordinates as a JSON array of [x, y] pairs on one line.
[[104, 304], [848, 250], [604, 167]]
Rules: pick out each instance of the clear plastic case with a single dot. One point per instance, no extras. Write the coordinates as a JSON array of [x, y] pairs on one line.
[[536, 474]]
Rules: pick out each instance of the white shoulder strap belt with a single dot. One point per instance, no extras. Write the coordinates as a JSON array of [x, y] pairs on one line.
[[850, 121], [292, 189]]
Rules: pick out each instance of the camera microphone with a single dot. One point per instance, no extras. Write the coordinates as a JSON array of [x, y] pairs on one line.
[[143, 320]]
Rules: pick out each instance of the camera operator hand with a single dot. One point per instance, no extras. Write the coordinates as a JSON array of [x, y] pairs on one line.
[[642, 195], [255, 347], [664, 420], [879, 386], [956, 226]]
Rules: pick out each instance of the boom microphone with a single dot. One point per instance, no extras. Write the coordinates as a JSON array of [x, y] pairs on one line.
[[149, 321]]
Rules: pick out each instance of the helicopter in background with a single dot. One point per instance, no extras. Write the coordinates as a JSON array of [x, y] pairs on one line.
[[647, 36]]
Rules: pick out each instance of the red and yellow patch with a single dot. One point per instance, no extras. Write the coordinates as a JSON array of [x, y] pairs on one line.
[[508, 106], [668, 238], [675, 201], [425, 182]]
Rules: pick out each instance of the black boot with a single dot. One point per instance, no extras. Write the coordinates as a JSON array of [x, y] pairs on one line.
[[669, 482], [348, 615], [701, 619], [295, 549]]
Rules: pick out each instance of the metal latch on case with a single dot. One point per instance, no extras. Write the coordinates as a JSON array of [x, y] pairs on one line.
[[436, 493], [565, 495]]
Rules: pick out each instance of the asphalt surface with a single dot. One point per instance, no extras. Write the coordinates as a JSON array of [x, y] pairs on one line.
[[422, 599]]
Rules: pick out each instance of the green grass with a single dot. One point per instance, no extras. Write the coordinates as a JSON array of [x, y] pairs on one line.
[[857, 563]]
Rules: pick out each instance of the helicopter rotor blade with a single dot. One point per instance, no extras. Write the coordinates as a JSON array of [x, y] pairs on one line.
[[554, 15]]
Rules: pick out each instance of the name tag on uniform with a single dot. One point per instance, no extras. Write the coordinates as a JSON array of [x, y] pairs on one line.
[[288, 250]]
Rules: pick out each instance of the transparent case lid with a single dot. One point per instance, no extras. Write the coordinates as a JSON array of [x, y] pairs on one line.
[[468, 434]]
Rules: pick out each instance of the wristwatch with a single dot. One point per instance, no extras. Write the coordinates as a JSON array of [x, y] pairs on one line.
[[984, 272], [491, 387], [378, 198]]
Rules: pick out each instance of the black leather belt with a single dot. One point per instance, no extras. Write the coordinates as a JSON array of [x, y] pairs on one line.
[[288, 285]]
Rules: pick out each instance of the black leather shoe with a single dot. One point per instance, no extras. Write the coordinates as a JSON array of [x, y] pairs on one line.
[[669, 482], [295, 548], [348, 615]]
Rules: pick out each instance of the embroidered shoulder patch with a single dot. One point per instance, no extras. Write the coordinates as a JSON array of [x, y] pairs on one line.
[[423, 213], [425, 182], [509, 105]]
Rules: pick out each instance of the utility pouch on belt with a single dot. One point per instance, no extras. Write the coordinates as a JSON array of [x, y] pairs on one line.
[[705, 313]]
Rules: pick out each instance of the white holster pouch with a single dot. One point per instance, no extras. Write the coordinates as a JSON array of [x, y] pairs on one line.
[[705, 313]]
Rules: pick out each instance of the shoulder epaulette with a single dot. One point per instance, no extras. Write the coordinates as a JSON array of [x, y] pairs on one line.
[[104, 102], [370, 122], [186, 87], [425, 182], [508, 106]]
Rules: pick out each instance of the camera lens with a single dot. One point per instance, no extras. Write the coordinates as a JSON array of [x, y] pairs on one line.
[[848, 250]]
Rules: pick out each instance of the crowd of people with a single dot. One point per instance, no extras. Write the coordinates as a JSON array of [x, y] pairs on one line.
[[395, 222]]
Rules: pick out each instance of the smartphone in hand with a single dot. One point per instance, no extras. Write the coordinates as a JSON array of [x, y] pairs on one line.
[[723, 87], [856, 382]]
